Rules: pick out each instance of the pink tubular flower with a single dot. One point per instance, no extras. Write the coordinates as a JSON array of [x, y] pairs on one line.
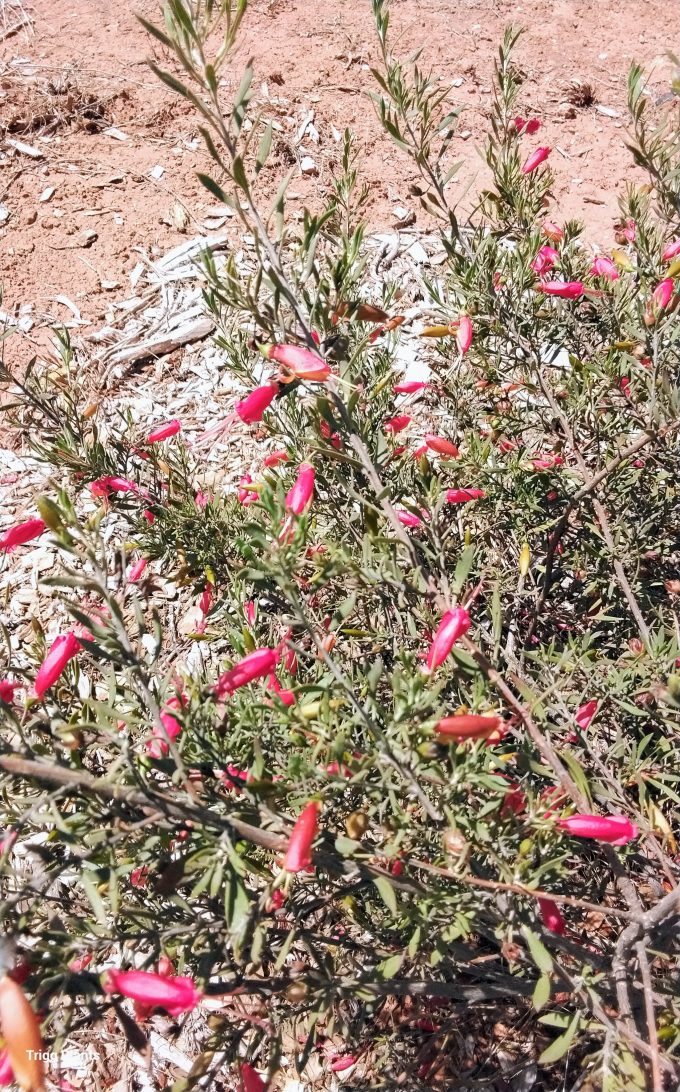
[[302, 491], [535, 160], [618, 830], [256, 665], [545, 260], [661, 296], [276, 457], [344, 1061], [397, 424], [551, 916], [441, 445], [299, 851], [408, 519], [62, 649], [462, 496], [164, 432], [249, 612], [7, 689], [409, 387], [585, 713], [529, 127], [21, 533], [251, 1081], [552, 231], [173, 993], [671, 251], [630, 230], [454, 624], [604, 267], [246, 496], [547, 462], [464, 334], [103, 486], [298, 363], [6, 1071], [568, 290], [463, 726], [136, 570], [252, 408]]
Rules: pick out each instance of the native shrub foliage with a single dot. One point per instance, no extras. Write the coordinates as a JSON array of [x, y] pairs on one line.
[[418, 804]]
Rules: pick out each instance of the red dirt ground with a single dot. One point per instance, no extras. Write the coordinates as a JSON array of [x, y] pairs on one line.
[[320, 53]]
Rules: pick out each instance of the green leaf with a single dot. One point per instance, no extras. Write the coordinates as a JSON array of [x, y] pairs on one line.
[[389, 967], [265, 148], [386, 892], [94, 898], [541, 994], [560, 1046], [539, 953], [465, 563], [236, 903]]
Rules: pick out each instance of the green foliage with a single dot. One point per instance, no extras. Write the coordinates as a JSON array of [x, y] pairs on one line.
[[168, 803]]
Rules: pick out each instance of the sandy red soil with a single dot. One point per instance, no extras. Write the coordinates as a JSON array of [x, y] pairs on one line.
[[313, 56]]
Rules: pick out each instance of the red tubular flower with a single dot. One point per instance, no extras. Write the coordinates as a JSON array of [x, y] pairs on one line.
[[604, 267], [234, 779], [173, 993], [618, 830], [298, 363], [545, 260], [568, 290], [671, 251], [139, 876], [464, 334], [462, 496], [249, 612], [302, 491], [256, 665], [409, 387], [136, 570], [535, 160], [585, 713], [529, 127], [397, 424], [21, 533], [251, 1081], [471, 726], [454, 624], [164, 432], [7, 689], [252, 408], [21, 1031], [299, 851], [205, 602], [441, 445], [661, 296], [552, 917], [284, 695], [62, 649], [276, 457]]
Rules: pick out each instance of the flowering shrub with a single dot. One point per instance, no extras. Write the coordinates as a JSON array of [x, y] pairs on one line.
[[419, 804]]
